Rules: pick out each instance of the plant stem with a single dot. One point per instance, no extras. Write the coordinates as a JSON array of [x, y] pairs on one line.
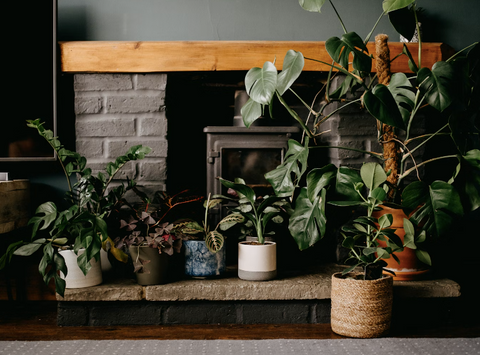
[[373, 29], [338, 16], [425, 162]]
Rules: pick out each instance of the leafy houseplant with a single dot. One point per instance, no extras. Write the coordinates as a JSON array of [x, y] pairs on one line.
[[449, 89], [81, 227], [148, 236], [256, 259], [204, 246]]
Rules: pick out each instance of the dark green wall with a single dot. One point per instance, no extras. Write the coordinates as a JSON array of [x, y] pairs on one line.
[[451, 22]]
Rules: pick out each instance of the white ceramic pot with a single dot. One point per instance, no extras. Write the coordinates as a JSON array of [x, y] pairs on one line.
[[257, 262], [75, 277]]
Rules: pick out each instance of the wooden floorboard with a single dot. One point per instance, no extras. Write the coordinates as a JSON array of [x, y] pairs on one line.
[[37, 321]]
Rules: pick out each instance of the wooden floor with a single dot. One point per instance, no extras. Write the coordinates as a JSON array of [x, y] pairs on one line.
[[37, 321]]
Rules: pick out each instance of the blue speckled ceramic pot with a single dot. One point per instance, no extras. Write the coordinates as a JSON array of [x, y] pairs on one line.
[[200, 262]]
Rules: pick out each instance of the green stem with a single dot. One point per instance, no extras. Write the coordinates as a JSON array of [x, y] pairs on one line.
[[294, 115], [338, 16], [430, 136], [423, 163], [458, 53], [338, 109], [377, 155], [373, 29], [419, 37]]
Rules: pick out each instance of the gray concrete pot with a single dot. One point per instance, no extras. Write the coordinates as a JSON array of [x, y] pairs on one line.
[[155, 272]]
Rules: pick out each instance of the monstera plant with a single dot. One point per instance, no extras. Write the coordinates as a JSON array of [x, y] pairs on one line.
[[449, 90]]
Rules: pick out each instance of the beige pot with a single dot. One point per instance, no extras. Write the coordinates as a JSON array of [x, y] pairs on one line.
[[75, 277], [257, 262], [361, 308]]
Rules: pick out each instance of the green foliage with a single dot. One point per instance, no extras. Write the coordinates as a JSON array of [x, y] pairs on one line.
[[214, 239], [257, 212], [449, 88], [82, 225]]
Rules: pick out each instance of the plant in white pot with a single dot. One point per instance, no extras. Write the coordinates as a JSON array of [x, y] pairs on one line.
[[205, 255], [257, 259], [80, 230], [449, 90]]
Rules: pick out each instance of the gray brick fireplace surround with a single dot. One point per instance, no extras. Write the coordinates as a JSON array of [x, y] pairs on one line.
[[116, 111]]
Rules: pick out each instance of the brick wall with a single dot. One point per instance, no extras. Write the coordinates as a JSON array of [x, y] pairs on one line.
[[116, 111]]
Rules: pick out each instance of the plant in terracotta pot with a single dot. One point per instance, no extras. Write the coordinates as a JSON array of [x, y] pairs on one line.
[[257, 259], [395, 102], [205, 254], [79, 231]]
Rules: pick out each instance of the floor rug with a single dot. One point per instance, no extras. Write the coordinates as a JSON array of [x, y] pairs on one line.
[[397, 346]]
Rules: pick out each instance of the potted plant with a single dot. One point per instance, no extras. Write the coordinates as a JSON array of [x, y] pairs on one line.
[[148, 237], [78, 232], [449, 89], [257, 259], [205, 254]]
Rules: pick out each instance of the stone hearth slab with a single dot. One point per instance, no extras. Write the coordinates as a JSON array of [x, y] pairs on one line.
[[306, 285]]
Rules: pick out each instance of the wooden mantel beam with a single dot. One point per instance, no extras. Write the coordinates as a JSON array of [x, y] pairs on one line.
[[178, 56]]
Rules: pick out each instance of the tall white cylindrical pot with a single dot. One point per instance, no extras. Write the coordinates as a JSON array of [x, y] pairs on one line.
[[75, 277], [257, 262]]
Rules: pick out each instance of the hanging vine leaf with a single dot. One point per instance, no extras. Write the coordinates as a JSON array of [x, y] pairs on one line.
[[350, 43]]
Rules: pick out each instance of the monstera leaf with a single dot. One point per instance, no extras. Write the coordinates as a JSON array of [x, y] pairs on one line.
[[381, 104], [403, 93], [295, 162], [292, 68], [439, 204], [312, 5], [438, 85], [340, 49], [307, 223], [403, 20], [393, 5], [261, 83], [250, 112], [318, 179]]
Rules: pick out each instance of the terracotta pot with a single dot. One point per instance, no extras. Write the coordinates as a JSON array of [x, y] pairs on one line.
[[410, 268], [155, 272], [361, 308], [75, 277], [257, 262]]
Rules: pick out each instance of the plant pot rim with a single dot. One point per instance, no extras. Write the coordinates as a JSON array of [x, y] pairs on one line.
[[255, 244], [353, 275]]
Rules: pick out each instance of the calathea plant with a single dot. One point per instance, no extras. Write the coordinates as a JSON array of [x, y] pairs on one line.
[[82, 225], [449, 89], [214, 239]]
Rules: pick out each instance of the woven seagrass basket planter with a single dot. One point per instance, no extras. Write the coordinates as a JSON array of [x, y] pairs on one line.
[[361, 308]]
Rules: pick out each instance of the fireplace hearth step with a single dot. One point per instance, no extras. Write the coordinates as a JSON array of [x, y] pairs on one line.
[[294, 297]]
